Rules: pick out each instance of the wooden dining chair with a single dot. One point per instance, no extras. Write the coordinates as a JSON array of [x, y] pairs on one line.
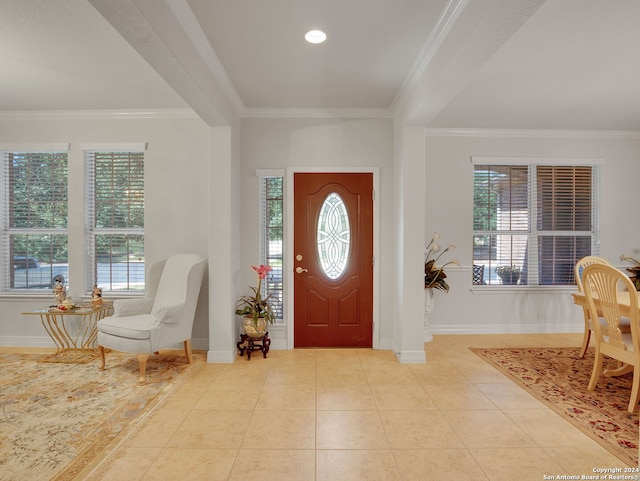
[[603, 284], [588, 322]]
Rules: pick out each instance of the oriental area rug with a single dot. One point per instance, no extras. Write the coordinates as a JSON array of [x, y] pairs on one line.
[[56, 418], [558, 378]]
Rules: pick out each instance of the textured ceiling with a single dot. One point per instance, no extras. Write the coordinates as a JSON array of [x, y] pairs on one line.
[[561, 64]]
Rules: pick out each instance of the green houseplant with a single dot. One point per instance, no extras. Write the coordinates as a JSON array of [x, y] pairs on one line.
[[434, 277], [509, 274], [254, 308], [634, 272]]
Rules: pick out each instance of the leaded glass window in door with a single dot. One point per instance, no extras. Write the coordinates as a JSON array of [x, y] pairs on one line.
[[333, 236]]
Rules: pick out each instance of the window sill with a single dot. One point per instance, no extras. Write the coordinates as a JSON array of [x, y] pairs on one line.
[[22, 296], [34, 295], [501, 289]]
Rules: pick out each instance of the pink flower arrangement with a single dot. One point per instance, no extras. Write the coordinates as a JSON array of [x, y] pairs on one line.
[[255, 306], [262, 271]]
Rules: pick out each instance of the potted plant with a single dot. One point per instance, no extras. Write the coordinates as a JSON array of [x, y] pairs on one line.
[[256, 311], [434, 278], [509, 274], [634, 272]]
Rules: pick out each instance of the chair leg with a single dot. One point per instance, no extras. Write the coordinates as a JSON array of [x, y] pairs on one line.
[[187, 351], [635, 392], [102, 358], [597, 370], [142, 363], [585, 339]]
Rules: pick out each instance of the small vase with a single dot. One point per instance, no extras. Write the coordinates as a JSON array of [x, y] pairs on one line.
[[429, 301], [510, 279], [255, 330]]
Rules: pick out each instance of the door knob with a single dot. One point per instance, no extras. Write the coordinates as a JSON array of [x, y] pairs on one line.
[[300, 270]]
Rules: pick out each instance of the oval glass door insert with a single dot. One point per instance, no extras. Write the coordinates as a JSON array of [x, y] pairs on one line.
[[333, 236]]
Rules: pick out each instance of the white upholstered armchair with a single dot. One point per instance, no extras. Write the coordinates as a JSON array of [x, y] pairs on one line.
[[160, 319]]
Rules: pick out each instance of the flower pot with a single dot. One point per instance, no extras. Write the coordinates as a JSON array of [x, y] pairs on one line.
[[255, 330], [510, 279]]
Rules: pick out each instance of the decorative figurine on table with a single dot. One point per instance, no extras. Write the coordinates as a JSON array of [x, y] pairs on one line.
[[59, 291], [96, 296]]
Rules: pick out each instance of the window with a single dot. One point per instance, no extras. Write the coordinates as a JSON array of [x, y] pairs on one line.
[[115, 220], [272, 236], [35, 218], [333, 236], [532, 222]]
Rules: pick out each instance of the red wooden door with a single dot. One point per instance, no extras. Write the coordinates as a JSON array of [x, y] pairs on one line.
[[333, 259]]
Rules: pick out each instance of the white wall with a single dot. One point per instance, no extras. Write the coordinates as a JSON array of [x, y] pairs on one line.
[[176, 198], [326, 144], [449, 209], [181, 216]]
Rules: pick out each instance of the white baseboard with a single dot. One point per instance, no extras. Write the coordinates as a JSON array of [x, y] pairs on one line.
[[412, 357], [385, 345], [278, 345], [555, 328], [45, 341], [26, 341], [222, 357]]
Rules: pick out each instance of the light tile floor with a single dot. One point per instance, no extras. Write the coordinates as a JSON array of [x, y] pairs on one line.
[[342, 415]]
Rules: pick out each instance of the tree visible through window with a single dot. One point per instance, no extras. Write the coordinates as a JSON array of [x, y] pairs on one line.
[[533, 222], [272, 236], [116, 220], [35, 218]]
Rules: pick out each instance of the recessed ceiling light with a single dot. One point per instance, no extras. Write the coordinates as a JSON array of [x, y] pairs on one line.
[[315, 36]]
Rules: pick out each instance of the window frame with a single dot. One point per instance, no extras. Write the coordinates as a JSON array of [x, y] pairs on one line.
[[91, 231], [8, 231], [265, 252], [534, 234]]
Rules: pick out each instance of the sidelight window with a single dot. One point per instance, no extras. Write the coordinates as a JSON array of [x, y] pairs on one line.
[[272, 228]]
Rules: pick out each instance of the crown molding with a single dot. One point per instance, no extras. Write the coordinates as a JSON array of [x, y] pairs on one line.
[[445, 23], [295, 113], [534, 133], [192, 28], [98, 114]]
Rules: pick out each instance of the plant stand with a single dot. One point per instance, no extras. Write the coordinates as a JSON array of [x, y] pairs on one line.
[[254, 344], [429, 302]]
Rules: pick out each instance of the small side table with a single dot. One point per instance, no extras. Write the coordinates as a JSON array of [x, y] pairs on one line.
[[254, 344], [73, 331]]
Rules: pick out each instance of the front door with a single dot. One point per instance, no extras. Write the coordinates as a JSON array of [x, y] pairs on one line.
[[333, 259]]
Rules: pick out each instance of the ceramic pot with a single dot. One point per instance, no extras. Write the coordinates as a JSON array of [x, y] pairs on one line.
[[510, 279], [253, 330]]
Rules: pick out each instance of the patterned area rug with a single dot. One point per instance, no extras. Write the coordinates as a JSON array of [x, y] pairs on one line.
[[559, 378], [56, 418]]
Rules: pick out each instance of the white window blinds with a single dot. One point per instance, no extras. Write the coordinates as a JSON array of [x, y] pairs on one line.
[[272, 204], [533, 222], [115, 220], [35, 217]]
